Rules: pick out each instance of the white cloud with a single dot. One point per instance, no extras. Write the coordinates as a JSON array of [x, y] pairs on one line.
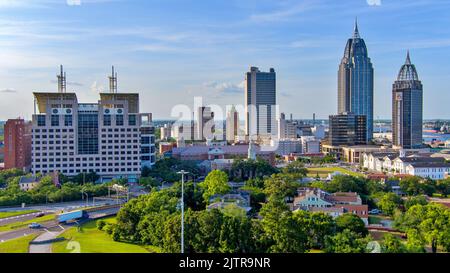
[[226, 87], [8, 90]]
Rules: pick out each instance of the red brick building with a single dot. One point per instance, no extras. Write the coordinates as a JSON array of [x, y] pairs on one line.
[[17, 144]]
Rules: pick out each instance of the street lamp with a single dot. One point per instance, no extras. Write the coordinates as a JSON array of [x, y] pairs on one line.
[[87, 197], [183, 173]]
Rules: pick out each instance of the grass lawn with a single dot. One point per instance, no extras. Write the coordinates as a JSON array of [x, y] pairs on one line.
[[19, 245], [323, 172], [92, 240], [315, 251], [15, 213], [375, 220], [25, 224]]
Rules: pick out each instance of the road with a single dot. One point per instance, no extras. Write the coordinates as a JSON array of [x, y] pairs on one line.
[[55, 207], [14, 234], [43, 243], [19, 218], [53, 226]]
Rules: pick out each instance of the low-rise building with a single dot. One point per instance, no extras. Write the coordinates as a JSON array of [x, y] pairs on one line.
[[431, 170], [28, 183], [336, 204], [201, 153], [286, 146], [310, 145]]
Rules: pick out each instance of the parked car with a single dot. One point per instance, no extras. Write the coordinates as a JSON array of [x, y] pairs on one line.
[[375, 211], [34, 226]]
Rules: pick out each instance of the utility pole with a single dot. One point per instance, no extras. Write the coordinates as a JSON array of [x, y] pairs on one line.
[[183, 173]]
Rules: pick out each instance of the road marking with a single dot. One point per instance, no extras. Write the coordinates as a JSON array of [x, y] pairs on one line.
[[62, 227]]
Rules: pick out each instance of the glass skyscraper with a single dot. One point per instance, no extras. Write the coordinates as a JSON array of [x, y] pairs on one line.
[[407, 108], [355, 81], [260, 103]]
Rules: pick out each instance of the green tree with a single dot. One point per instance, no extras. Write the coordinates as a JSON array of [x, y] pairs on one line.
[[415, 200], [216, 182], [411, 185], [443, 187], [317, 226], [352, 223], [281, 185], [389, 202], [347, 241], [296, 168], [392, 244], [432, 223]]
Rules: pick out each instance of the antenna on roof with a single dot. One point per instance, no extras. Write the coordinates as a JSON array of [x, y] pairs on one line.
[[61, 81], [113, 81]]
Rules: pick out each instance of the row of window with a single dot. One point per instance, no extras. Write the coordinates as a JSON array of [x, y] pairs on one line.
[[84, 159], [52, 130], [98, 171], [38, 160], [117, 135], [52, 142], [68, 120], [36, 136]]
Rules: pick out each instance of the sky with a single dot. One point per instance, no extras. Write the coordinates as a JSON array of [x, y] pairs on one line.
[[171, 51]]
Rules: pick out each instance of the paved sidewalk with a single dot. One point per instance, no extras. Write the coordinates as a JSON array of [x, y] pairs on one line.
[[44, 247]]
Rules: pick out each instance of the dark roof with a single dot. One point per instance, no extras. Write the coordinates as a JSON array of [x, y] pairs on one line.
[[422, 159], [430, 164], [32, 179]]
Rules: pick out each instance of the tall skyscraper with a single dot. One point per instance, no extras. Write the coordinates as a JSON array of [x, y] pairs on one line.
[[260, 103], [232, 125], [407, 107], [205, 126], [355, 81], [17, 144]]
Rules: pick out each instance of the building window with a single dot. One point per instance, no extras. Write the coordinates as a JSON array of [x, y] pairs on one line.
[[119, 120], [41, 120], [68, 120], [55, 120], [145, 140], [132, 120], [88, 133], [107, 120]]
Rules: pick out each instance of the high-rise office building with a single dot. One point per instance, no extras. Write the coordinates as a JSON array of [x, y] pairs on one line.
[[355, 81], [204, 126], [110, 137], [17, 137], [287, 129], [232, 125], [260, 103], [347, 129], [407, 108]]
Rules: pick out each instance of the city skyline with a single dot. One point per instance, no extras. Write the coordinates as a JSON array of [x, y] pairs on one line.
[[192, 55]]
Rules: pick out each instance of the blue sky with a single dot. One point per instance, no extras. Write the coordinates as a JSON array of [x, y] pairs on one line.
[[172, 50]]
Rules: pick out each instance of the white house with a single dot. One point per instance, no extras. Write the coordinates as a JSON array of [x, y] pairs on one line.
[[432, 170]]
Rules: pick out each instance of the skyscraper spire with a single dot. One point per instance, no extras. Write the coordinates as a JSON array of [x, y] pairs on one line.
[[356, 31], [408, 59]]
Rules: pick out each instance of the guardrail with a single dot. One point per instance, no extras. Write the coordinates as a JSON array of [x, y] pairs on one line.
[[103, 208], [47, 241]]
